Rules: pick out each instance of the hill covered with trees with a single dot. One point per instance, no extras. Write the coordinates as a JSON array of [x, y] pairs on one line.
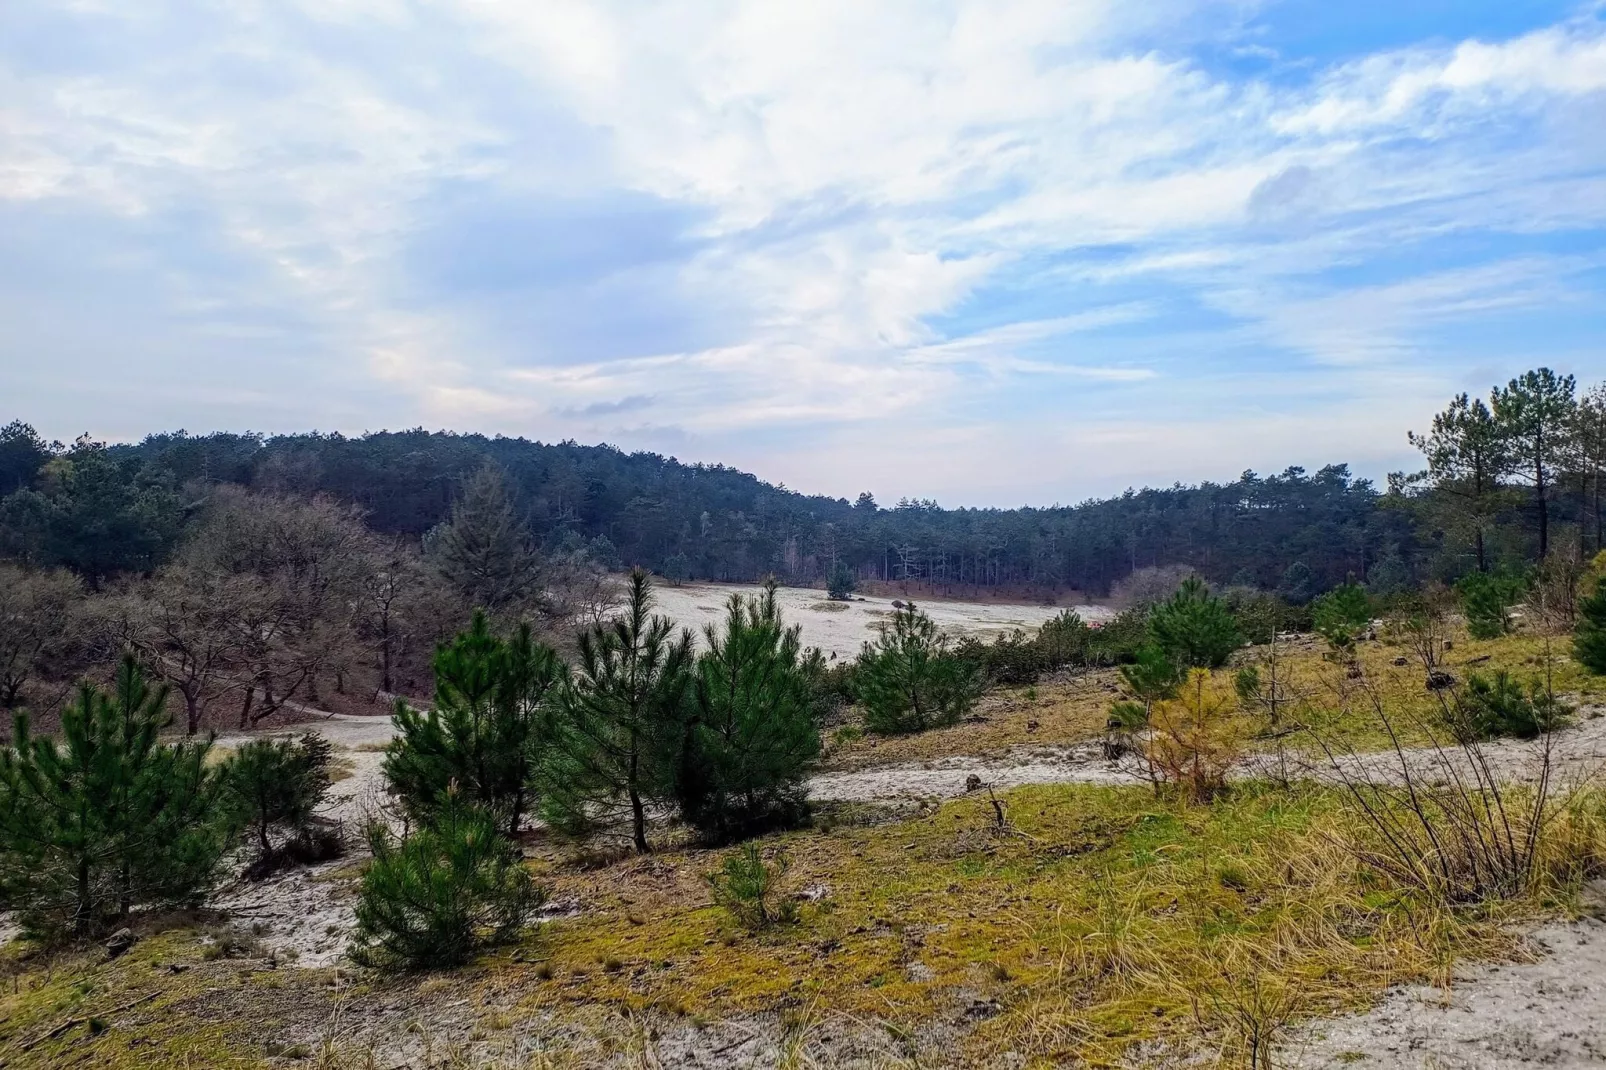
[[1503, 482]]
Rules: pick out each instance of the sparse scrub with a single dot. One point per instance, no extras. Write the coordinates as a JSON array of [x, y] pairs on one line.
[[1451, 825]]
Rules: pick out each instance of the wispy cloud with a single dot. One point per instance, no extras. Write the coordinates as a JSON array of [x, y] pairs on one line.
[[757, 231]]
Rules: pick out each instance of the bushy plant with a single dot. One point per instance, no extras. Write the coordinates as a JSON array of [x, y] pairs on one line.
[[1342, 614], [1499, 705], [1194, 628], [841, 582], [1118, 640], [1589, 634], [1064, 640], [751, 736], [909, 680], [1009, 659], [109, 818], [1260, 613], [1196, 737], [1126, 720], [491, 720], [750, 888], [1486, 600], [277, 784], [438, 896], [1152, 676]]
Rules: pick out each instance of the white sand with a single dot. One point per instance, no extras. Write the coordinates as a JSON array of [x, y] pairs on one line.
[[842, 628]]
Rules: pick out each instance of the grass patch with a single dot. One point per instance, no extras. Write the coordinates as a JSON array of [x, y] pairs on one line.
[[1103, 919]]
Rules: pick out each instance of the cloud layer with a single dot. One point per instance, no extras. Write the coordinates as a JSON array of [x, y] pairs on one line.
[[989, 252]]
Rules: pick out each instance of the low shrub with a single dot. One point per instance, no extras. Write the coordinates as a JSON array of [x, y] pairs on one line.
[[1498, 705], [438, 896], [909, 680], [276, 785], [749, 888], [1486, 600], [1197, 736]]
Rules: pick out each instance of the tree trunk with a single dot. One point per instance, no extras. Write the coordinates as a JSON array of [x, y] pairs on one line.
[[1544, 516], [638, 816], [192, 713], [81, 917]]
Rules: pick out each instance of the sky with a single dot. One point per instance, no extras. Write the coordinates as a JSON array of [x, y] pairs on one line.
[[993, 253]]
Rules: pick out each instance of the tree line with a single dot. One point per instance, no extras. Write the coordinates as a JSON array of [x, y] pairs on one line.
[[1503, 481]]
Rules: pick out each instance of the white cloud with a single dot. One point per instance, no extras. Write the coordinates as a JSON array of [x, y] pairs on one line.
[[861, 180]]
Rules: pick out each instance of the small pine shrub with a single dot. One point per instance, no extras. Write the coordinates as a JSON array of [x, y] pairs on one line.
[[1589, 635], [276, 784], [1486, 600], [841, 582], [1194, 628], [1197, 736], [1341, 615], [434, 899], [1498, 705], [909, 680], [749, 888]]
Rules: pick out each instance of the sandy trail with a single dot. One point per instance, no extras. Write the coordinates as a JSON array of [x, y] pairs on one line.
[[1548, 1012]]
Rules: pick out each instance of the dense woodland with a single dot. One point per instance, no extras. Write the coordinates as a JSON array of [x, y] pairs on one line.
[[107, 509]]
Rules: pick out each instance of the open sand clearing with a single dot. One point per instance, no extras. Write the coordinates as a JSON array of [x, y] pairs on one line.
[[841, 628]]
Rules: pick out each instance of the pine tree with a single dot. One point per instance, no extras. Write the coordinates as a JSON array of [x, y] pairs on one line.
[[841, 582], [909, 680], [1589, 635], [621, 724], [1535, 413], [485, 549], [277, 784], [1152, 677], [109, 818], [435, 898], [1467, 453], [751, 736], [490, 722], [1194, 629], [1341, 614]]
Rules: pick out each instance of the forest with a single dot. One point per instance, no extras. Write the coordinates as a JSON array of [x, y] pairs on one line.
[[1499, 483]]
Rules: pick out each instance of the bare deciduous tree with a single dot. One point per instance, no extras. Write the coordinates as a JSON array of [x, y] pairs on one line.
[[39, 617]]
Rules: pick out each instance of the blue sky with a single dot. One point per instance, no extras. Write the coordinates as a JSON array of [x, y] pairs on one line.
[[1001, 252]]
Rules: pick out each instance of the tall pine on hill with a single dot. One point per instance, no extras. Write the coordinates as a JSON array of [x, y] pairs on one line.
[[485, 549]]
